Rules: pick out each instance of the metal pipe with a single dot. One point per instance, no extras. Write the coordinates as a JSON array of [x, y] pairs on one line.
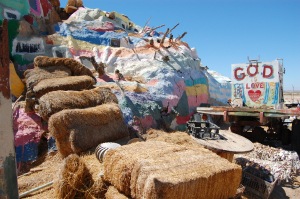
[[35, 189]]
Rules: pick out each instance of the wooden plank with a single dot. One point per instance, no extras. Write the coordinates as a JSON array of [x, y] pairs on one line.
[[252, 112], [232, 143]]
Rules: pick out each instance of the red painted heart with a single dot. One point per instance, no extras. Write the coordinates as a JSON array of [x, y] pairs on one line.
[[254, 95]]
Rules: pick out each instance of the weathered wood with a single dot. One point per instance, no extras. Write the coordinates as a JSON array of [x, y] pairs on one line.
[[173, 28], [181, 36], [146, 24], [232, 143], [157, 27], [8, 176], [246, 111]]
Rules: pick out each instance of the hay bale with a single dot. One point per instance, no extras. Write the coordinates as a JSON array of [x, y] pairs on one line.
[[181, 138], [73, 179], [113, 193], [77, 130], [56, 101], [97, 190], [63, 83], [163, 170], [34, 76], [76, 68], [177, 137]]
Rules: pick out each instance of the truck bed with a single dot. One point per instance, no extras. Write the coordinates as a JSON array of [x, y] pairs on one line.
[[250, 112]]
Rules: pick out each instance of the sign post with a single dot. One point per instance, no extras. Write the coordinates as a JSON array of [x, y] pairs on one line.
[[8, 176]]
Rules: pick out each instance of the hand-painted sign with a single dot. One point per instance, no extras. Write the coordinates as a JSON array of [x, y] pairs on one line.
[[257, 83]]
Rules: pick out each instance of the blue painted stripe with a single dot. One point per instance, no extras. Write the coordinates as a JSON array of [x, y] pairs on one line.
[[275, 101], [190, 82], [267, 91]]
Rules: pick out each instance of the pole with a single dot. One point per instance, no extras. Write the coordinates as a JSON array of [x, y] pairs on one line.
[[22, 195], [8, 175]]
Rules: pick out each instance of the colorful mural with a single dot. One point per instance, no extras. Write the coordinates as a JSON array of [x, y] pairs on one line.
[[257, 83], [155, 94], [13, 9]]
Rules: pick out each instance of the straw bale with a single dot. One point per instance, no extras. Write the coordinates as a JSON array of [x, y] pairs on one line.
[[113, 193], [76, 68], [56, 101], [63, 83], [97, 190], [73, 178], [177, 137], [181, 138], [34, 76], [77, 130], [119, 174], [162, 170]]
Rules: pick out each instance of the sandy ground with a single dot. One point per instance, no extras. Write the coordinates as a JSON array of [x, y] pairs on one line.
[[285, 192], [291, 97]]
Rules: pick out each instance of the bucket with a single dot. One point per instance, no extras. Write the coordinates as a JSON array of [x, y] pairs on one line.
[[102, 148]]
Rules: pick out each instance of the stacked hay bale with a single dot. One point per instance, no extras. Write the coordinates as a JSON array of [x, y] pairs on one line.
[[69, 83], [77, 130], [63, 86], [162, 170], [178, 137], [52, 74], [56, 101], [76, 68], [181, 138]]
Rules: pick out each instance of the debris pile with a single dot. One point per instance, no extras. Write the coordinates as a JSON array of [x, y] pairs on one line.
[[283, 165]]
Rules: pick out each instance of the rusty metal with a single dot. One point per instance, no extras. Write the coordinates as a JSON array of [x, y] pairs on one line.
[[4, 60]]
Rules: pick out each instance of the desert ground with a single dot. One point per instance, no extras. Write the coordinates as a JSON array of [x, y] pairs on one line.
[[291, 97]]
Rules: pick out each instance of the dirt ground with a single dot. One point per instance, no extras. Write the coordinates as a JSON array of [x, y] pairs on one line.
[[286, 191], [291, 97], [45, 170]]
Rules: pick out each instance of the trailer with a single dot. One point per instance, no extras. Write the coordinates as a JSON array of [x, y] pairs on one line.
[[256, 109]]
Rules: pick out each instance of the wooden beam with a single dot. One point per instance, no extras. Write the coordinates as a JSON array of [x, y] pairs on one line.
[[173, 28], [8, 175], [181, 36], [146, 24]]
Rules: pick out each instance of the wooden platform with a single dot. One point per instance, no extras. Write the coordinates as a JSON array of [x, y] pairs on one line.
[[246, 111], [232, 143]]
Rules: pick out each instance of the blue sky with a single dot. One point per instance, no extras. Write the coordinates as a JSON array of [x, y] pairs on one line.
[[224, 32]]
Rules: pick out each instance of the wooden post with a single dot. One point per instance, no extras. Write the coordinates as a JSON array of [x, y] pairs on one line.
[[152, 29], [173, 28], [146, 24], [164, 37], [181, 36], [8, 176]]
